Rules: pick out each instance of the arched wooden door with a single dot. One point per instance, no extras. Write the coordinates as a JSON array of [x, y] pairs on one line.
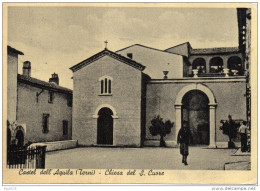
[[105, 127]]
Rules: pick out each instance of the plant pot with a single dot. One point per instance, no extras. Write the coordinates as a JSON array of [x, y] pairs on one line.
[[231, 145]]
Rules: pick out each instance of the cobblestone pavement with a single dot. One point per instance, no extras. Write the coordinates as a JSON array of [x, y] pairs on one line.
[[141, 158]]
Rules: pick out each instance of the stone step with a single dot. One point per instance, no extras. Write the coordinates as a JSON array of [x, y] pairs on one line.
[[57, 145]]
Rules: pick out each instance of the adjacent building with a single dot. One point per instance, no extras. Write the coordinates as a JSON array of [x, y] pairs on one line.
[[38, 111]]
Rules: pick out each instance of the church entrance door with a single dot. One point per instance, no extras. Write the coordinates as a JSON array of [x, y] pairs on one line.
[[105, 127], [195, 110]]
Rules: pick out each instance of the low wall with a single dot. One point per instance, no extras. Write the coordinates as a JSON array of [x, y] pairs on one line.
[[173, 144], [225, 144], [58, 145]]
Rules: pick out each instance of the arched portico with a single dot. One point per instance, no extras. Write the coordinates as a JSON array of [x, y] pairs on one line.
[[212, 109]]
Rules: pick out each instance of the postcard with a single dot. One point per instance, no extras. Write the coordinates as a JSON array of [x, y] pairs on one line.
[[130, 93]]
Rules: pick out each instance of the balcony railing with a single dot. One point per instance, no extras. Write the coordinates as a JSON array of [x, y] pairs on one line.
[[224, 73]]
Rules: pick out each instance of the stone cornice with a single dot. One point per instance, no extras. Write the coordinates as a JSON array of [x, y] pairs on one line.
[[240, 79]]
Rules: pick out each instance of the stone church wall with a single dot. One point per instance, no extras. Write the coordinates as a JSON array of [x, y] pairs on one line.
[[125, 102], [161, 96]]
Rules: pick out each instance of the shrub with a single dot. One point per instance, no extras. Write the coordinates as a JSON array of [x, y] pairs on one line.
[[160, 127], [229, 127]]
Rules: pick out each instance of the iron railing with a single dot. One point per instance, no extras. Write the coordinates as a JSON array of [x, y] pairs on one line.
[[26, 157]]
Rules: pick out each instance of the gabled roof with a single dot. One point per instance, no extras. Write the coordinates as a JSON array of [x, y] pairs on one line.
[[114, 55], [13, 50], [201, 51], [147, 48], [138, 45], [179, 45], [42, 84], [220, 50]]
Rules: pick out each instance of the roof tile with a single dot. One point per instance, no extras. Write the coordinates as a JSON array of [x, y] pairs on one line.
[[42, 84]]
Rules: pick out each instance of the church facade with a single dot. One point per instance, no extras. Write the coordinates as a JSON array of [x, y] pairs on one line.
[[107, 100]]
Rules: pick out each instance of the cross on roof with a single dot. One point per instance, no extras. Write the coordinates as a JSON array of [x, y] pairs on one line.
[[106, 44]]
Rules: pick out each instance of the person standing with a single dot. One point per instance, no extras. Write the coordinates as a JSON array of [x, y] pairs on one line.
[[243, 134], [183, 139]]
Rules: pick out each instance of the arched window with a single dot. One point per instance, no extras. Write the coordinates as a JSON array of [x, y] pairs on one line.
[[106, 85], [200, 65], [235, 65], [216, 65]]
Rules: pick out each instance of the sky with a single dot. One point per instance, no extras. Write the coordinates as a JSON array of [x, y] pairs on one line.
[[55, 38]]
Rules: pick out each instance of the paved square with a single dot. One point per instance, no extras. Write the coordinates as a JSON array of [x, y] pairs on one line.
[[141, 158]]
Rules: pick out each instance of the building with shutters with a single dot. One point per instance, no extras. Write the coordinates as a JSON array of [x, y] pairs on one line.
[[37, 111]]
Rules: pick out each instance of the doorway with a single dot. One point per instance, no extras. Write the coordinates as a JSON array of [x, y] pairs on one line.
[[20, 138], [105, 127], [195, 111]]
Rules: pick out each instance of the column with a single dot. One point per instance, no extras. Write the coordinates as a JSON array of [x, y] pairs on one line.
[[212, 124], [225, 61], [207, 60], [115, 130], [95, 126], [177, 120], [225, 66]]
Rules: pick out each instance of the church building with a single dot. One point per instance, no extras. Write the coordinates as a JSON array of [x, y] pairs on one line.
[[117, 94]]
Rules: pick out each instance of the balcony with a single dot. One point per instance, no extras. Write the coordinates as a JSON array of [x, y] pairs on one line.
[[217, 66]]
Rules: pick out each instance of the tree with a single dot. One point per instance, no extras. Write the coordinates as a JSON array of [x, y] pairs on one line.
[[160, 127], [229, 127]]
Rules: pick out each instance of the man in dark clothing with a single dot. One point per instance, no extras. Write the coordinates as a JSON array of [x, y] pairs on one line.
[[243, 134], [184, 137]]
